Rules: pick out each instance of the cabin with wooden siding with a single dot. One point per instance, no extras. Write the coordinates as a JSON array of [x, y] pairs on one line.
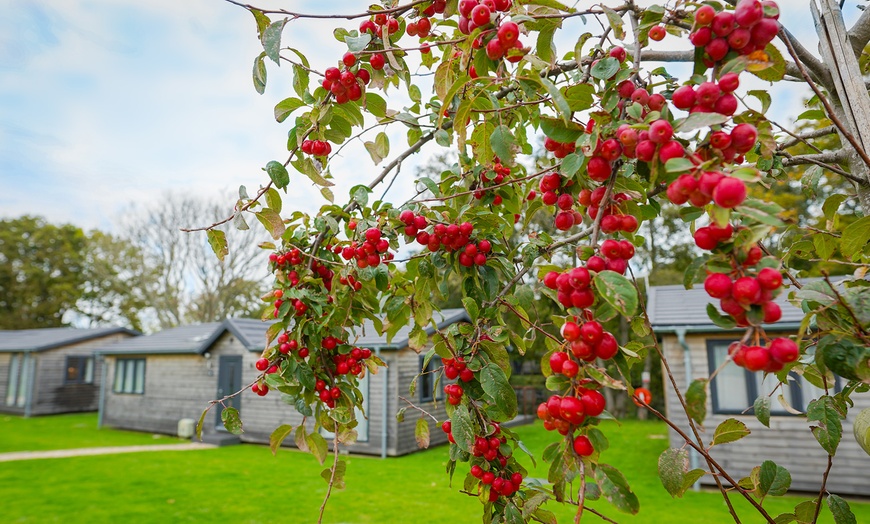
[[695, 348], [153, 382], [52, 370]]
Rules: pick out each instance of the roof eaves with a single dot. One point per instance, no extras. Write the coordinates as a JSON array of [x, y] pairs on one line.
[[78, 339], [712, 328]]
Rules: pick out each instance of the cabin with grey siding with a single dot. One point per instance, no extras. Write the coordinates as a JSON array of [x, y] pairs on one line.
[[52, 370], [695, 348], [154, 381]]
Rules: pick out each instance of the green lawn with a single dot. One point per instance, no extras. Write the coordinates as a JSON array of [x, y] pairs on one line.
[[77, 430], [247, 484]]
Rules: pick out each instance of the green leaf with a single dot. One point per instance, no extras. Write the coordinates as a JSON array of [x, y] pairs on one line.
[[379, 149], [375, 105], [861, 429], [722, 321], [278, 436], [232, 421], [272, 221], [855, 237], [829, 429], [696, 400], [272, 40], [217, 239], [615, 489], [618, 291], [764, 212], [502, 143], [559, 100], [318, 446], [841, 510], [729, 430], [605, 68], [776, 70], [262, 21], [285, 107], [679, 165], [200, 423], [615, 21], [845, 358], [421, 433], [338, 476], [762, 410], [673, 464], [273, 199], [360, 194], [278, 173], [773, 480], [763, 97], [579, 96], [355, 44], [259, 74], [462, 428], [697, 121], [495, 384], [560, 131]]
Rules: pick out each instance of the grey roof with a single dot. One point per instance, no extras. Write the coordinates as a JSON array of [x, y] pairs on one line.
[[677, 306], [27, 340], [196, 339], [369, 336]]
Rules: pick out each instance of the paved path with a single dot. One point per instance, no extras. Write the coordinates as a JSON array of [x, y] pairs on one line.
[[81, 452]]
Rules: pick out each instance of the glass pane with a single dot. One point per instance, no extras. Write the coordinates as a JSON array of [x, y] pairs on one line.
[[768, 383], [89, 370], [119, 376], [731, 391], [139, 385], [14, 372], [129, 376], [24, 381], [809, 392], [72, 369]]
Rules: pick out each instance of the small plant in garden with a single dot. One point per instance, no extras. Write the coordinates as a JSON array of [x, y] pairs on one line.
[[621, 141]]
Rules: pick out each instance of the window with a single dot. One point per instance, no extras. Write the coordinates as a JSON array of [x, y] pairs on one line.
[[130, 376], [428, 381], [79, 370], [734, 389], [18, 387]]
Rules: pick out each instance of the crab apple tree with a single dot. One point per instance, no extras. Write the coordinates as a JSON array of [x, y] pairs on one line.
[[622, 139]]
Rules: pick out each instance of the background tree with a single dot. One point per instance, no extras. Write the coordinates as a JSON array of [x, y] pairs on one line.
[[41, 275]]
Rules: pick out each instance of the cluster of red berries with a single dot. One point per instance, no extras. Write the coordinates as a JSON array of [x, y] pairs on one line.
[[559, 149], [554, 194], [494, 472], [376, 24], [629, 92], [506, 44], [770, 358], [709, 237], [492, 177], [589, 340], [292, 257], [347, 85], [286, 345], [504, 486], [351, 282], [454, 394], [260, 387], [369, 252], [613, 220], [711, 186], [561, 413], [456, 367], [739, 293], [572, 286], [326, 394], [709, 97], [316, 147], [745, 30], [616, 254], [284, 261], [419, 28], [478, 13], [456, 237], [351, 363]]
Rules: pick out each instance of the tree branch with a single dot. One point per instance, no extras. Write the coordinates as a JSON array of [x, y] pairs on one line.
[[802, 137], [399, 9], [859, 34], [801, 55]]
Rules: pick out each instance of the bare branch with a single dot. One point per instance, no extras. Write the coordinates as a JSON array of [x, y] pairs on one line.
[[859, 34], [801, 55], [293, 14], [802, 137]]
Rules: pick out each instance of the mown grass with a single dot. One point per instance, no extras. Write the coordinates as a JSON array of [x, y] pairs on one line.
[[76, 430], [247, 484]]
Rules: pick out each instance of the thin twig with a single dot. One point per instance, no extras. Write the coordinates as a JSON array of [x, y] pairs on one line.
[[294, 14], [421, 410], [822, 489], [331, 480]]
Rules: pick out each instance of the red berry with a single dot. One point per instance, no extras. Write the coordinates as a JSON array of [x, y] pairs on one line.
[[755, 358], [582, 446], [572, 410], [784, 350], [593, 402], [262, 364], [657, 33], [377, 62], [769, 279], [348, 59], [718, 285], [480, 15], [730, 192], [746, 290]]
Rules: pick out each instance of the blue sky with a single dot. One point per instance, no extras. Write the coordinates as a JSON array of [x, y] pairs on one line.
[[105, 102]]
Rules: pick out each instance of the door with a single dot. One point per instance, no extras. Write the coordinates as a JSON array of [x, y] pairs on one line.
[[229, 381]]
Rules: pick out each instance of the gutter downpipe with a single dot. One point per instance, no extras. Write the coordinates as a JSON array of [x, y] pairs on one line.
[[687, 365], [31, 387], [102, 405], [385, 406]]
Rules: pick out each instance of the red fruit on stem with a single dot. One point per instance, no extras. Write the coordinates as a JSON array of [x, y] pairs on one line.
[[582, 446], [784, 350], [718, 285]]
